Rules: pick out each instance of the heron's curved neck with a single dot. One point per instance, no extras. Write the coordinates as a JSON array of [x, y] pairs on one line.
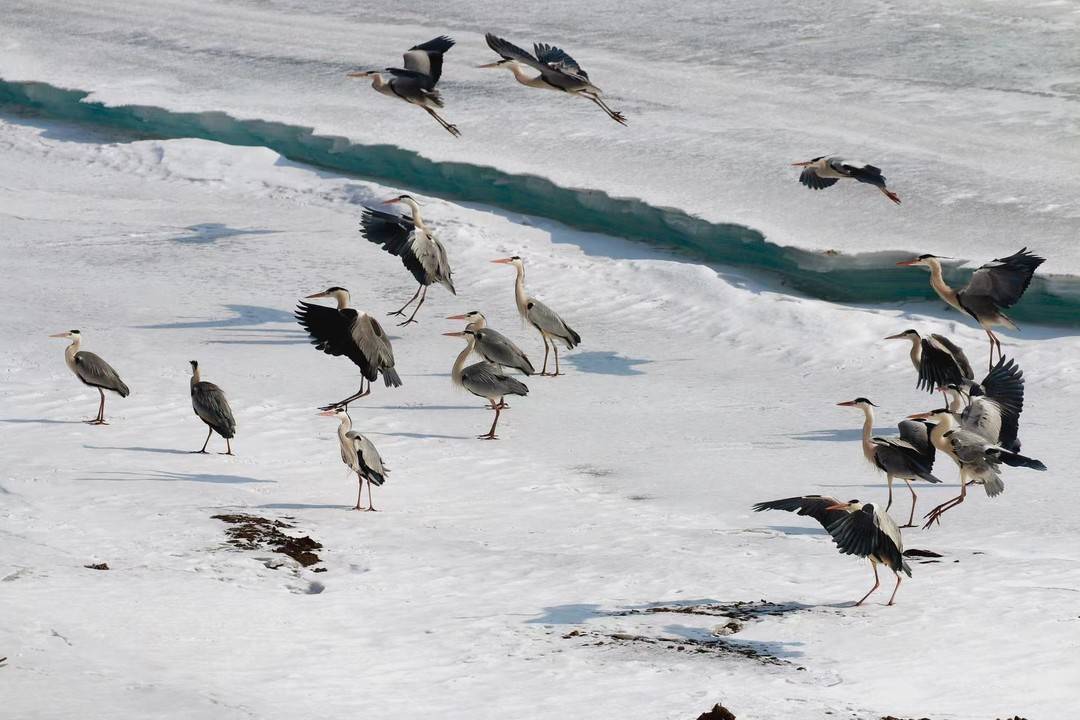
[[916, 351], [521, 75], [378, 82], [342, 298], [867, 431], [519, 291], [477, 324], [415, 209], [70, 350], [956, 401], [195, 376], [459, 364], [944, 424], [345, 426], [937, 281]]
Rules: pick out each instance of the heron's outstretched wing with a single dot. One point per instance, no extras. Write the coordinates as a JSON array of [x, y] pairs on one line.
[[917, 435], [95, 372], [958, 354], [1004, 280], [209, 402], [395, 234], [812, 180], [937, 366], [559, 59], [814, 506], [427, 58], [997, 411], [331, 330], [509, 51], [860, 533]]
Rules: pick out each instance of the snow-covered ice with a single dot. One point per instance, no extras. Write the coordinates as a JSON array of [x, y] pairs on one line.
[[625, 484]]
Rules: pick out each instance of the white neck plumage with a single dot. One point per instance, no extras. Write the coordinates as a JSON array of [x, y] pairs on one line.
[[415, 209], [459, 364], [867, 431], [520, 297], [937, 281], [342, 298]]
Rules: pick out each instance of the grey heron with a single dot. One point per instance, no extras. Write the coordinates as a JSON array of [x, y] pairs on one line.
[[558, 71], [540, 316], [359, 455], [908, 457], [861, 529], [484, 379], [493, 346], [210, 404], [994, 405], [415, 83], [938, 361], [826, 170], [93, 371], [412, 241], [353, 333], [995, 286], [978, 460]]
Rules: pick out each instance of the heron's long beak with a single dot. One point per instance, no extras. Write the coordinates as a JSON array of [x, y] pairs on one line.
[[362, 73], [315, 296], [456, 317], [391, 201], [908, 263], [800, 164], [839, 506], [327, 413], [849, 403], [920, 416], [500, 63], [454, 334], [897, 336], [503, 261], [61, 335]]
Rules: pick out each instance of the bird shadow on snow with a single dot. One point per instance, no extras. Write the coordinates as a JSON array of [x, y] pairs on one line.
[[422, 436], [163, 451], [302, 506], [43, 421], [242, 315], [573, 614], [840, 435], [163, 476], [796, 530], [605, 362], [205, 233]]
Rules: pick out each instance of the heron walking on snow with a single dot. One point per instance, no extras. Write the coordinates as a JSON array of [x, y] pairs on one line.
[[415, 84], [858, 529], [995, 286], [359, 455], [209, 403], [824, 171], [484, 379], [412, 241], [558, 71], [93, 371], [540, 316], [355, 334]]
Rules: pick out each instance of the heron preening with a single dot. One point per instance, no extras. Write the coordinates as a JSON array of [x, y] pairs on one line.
[[93, 371], [938, 361], [484, 379], [824, 171], [861, 529], [355, 334], [908, 457], [415, 84], [995, 286], [359, 455], [540, 316], [978, 459], [558, 71], [209, 403], [412, 241]]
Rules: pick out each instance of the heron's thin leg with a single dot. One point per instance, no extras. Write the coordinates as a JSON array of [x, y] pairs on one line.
[[491, 433], [937, 512], [446, 126], [876, 583], [544, 338], [616, 116], [228, 447], [370, 506], [100, 419], [892, 597], [556, 349], [209, 431], [914, 499], [993, 344], [423, 297], [343, 403], [360, 494], [888, 505], [401, 310]]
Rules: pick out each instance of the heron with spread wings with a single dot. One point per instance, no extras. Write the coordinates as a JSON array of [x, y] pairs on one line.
[[415, 83], [825, 171], [558, 71], [938, 361]]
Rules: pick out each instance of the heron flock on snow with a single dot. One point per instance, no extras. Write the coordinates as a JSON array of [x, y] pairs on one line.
[[977, 426]]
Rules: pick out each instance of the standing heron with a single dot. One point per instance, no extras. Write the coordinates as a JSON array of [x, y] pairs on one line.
[[484, 379], [978, 460], [938, 361], [995, 286], [355, 334], [861, 529], [540, 316], [93, 371], [209, 403], [415, 84], [824, 171], [558, 71], [359, 455], [493, 346], [908, 457], [412, 241]]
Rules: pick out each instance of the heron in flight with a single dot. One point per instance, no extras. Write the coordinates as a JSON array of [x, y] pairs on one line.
[[93, 371], [824, 171], [995, 286], [938, 361], [540, 316], [353, 333], [412, 241], [978, 459], [484, 379], [908, 457], [359, 455], [415, 83], [861, 529], [558, 71], [209, 403]]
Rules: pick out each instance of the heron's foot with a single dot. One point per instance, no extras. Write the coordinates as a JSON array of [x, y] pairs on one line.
[[488, 436], [227, 453], [198, 452], [907, 525], [452, 129], [400, 313], [408, 322], [360, 509], [95, 421], [618, 117]]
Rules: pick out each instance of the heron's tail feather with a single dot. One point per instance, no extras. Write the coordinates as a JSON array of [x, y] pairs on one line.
[[1017, 460], [121, 388], [391, 378], [449, 285], [516, 387], [572, 339], [376, 479], [994, 485], [904, 567], [928, 477], [526, 366]]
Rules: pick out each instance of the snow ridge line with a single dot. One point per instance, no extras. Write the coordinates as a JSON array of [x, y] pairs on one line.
[[861, 278]]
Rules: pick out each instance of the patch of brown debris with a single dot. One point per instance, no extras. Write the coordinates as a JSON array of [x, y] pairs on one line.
[[253, 532], [719, 712], [743, 610], [715, 647]]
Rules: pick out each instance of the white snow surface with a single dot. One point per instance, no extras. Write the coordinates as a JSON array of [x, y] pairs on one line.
[[969, 106], [625, 484]]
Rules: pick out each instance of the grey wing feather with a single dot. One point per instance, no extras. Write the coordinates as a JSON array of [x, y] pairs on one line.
[[486, 380], [918, 437], [1003, 280], [431, 255], [372, 340], [95, 372], [369, 457], [547, 320], [209, 402], [496, 348], [958, 354], [558, 59], [814, 506], [812, 180], [861, 534]]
